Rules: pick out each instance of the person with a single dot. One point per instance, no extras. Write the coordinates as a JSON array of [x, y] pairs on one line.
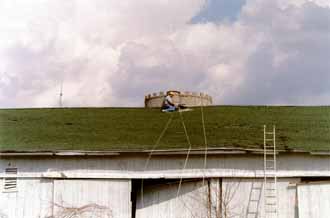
[[168, 104]]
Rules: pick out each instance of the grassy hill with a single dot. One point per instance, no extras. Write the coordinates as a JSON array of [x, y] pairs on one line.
[[110, 129]]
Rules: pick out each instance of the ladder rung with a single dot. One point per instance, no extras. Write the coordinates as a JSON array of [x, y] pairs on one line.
[[270, 200], [271, 160], [270, 196], [269, 133], [270, 211], [268, 140], [260, 188]]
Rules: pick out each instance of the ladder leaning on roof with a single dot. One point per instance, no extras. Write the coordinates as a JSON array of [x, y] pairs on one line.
[[270, 177]]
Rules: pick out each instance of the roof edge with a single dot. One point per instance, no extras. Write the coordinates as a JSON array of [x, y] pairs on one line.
[[211, 151]]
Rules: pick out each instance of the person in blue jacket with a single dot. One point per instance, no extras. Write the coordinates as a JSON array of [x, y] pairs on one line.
[[168, 104]]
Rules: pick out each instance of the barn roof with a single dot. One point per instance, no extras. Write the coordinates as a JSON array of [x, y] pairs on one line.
[[137, 129]]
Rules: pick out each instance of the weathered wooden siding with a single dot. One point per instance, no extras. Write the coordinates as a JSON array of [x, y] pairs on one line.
[[106, 198], [42, 198], [237, 193], [88, 178], [314, 200], [229, 197], [161, 201], [127, 167], [33, 199]]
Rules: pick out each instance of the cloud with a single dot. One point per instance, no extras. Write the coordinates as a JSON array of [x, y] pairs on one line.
[[289, 65], [112, 53], [79, 43]]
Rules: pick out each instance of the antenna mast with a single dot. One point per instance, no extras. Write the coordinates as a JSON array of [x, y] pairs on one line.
[[61, 94]]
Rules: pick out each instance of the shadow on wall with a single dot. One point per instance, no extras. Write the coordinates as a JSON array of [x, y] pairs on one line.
[[2, 215], [161, 199], [167, 187], [196, 199]]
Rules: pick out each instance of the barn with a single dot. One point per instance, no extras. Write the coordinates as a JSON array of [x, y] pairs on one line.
[[212, 162]]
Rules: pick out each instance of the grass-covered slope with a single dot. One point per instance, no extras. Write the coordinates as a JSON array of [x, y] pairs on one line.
[[108, 129]]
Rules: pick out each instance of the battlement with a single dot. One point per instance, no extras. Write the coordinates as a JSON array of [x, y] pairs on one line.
[[187, 98]]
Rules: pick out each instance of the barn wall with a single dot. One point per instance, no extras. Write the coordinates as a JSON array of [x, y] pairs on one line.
[[314, 200], [237, 199], [41, 179], [94, 198], [126, 167], [33, 199], [162, 201], [239, 196], [41, 198]]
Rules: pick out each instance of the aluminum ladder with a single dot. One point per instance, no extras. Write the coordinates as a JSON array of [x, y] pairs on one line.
[[270, 176]]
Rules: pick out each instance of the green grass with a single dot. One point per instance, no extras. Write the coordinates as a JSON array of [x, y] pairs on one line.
[[109, 129]]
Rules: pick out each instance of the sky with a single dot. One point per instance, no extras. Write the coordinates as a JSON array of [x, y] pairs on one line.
[[109, 53]]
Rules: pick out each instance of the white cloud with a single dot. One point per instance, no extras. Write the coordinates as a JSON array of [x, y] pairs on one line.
[[287, 3], [111, 53]]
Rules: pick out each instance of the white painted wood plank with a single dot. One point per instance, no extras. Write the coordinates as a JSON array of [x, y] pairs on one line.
[[32, 199], [314, 200], [237, 192], [166, 167], [93, 198], [160, 201]]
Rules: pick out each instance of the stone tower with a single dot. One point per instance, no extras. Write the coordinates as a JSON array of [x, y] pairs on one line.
[[190, 99]]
